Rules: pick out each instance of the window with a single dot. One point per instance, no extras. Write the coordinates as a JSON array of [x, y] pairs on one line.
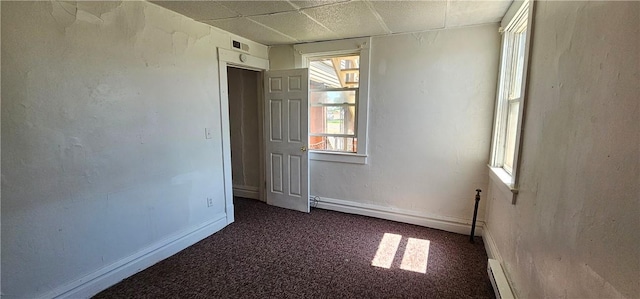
[[333, 101], [338, 98], [510, 93]]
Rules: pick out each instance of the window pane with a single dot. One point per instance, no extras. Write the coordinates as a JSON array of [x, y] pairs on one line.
[[322, 75], [350, 70], [510, 141], [517, 67], [332, 113], [331, 143], [335, 72], [333, 97], [332, 119]]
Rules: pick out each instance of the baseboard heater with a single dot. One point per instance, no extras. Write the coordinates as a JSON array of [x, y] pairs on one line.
[[498, 280]]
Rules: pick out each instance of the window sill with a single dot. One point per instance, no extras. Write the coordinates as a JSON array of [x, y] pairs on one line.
[[504, 181], [338, 157]]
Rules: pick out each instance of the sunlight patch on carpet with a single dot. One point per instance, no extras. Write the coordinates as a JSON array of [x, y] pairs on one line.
[[416, 255], [386, 251], [414, 258]]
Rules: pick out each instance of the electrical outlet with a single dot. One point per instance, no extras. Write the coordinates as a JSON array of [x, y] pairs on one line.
[[209, 202]]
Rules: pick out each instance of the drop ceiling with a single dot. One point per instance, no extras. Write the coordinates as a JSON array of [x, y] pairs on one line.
[[291, 22]]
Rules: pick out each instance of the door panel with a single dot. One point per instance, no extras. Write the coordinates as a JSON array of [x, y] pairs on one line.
[[295, 169], [287, 132], [295, 127], [275, 124], [276, 173]]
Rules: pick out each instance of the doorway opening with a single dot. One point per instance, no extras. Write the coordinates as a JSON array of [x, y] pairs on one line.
[[282, 117], [245, 128]]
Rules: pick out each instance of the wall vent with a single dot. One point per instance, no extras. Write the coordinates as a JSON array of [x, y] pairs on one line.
[[240, 46], [499, 281]]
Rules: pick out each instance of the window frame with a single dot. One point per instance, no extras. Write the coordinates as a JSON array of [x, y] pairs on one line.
[[304, 52], [519, 14]]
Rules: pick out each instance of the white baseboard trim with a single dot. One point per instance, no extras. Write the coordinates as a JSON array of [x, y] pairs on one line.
[[490, 244], [246, 192], [101, 279], [450, 224]]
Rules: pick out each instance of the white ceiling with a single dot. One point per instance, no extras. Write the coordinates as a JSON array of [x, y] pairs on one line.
[[290, 22]]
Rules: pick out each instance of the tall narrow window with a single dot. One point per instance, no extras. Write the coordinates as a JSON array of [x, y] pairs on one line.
[[510, 96], [516, 40], [334, 97]]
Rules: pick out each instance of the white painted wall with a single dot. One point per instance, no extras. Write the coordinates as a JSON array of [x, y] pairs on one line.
[[245, 132], [0, 156], [573, 232], [104, 157], [430, 117], [281, 57]]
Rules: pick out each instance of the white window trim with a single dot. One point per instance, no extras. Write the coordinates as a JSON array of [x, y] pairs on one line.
[[498, 174], [303, 52]]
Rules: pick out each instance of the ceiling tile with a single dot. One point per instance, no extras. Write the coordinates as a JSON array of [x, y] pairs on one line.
[[351, 19], [252, 8], [198, 10], [251, 30], [304, 29], [411, 16], [462, 13], [314, 3]]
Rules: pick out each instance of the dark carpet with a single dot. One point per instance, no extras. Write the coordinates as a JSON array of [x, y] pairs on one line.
[[271, 252]]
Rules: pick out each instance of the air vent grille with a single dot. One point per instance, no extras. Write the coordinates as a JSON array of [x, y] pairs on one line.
[[240, 46]]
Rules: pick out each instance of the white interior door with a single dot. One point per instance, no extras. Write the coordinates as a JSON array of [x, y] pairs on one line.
[[286, 130]]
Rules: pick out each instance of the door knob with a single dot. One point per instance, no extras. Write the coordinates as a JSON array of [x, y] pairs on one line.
[[303, 148]]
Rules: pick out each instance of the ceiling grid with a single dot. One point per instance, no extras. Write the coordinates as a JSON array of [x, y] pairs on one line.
[[293, 21]]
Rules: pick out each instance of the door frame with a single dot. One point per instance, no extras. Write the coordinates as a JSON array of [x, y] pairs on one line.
[[228, 58]]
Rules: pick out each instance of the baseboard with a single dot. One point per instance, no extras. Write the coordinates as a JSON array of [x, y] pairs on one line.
[[97, 281], [492, 252], [246, 192], [490, 244], [450, 224]]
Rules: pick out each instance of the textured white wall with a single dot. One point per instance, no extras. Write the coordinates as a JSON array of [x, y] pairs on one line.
[[281, 57], [245, 133], [573, 232], [103, 118], [430, 117], [0, 156]]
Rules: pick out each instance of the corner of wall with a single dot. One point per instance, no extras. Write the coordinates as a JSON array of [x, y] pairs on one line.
[[490, 244], [281, 57]]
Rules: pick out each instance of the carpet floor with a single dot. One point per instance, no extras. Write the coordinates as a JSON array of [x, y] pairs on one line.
[[270, 252]]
